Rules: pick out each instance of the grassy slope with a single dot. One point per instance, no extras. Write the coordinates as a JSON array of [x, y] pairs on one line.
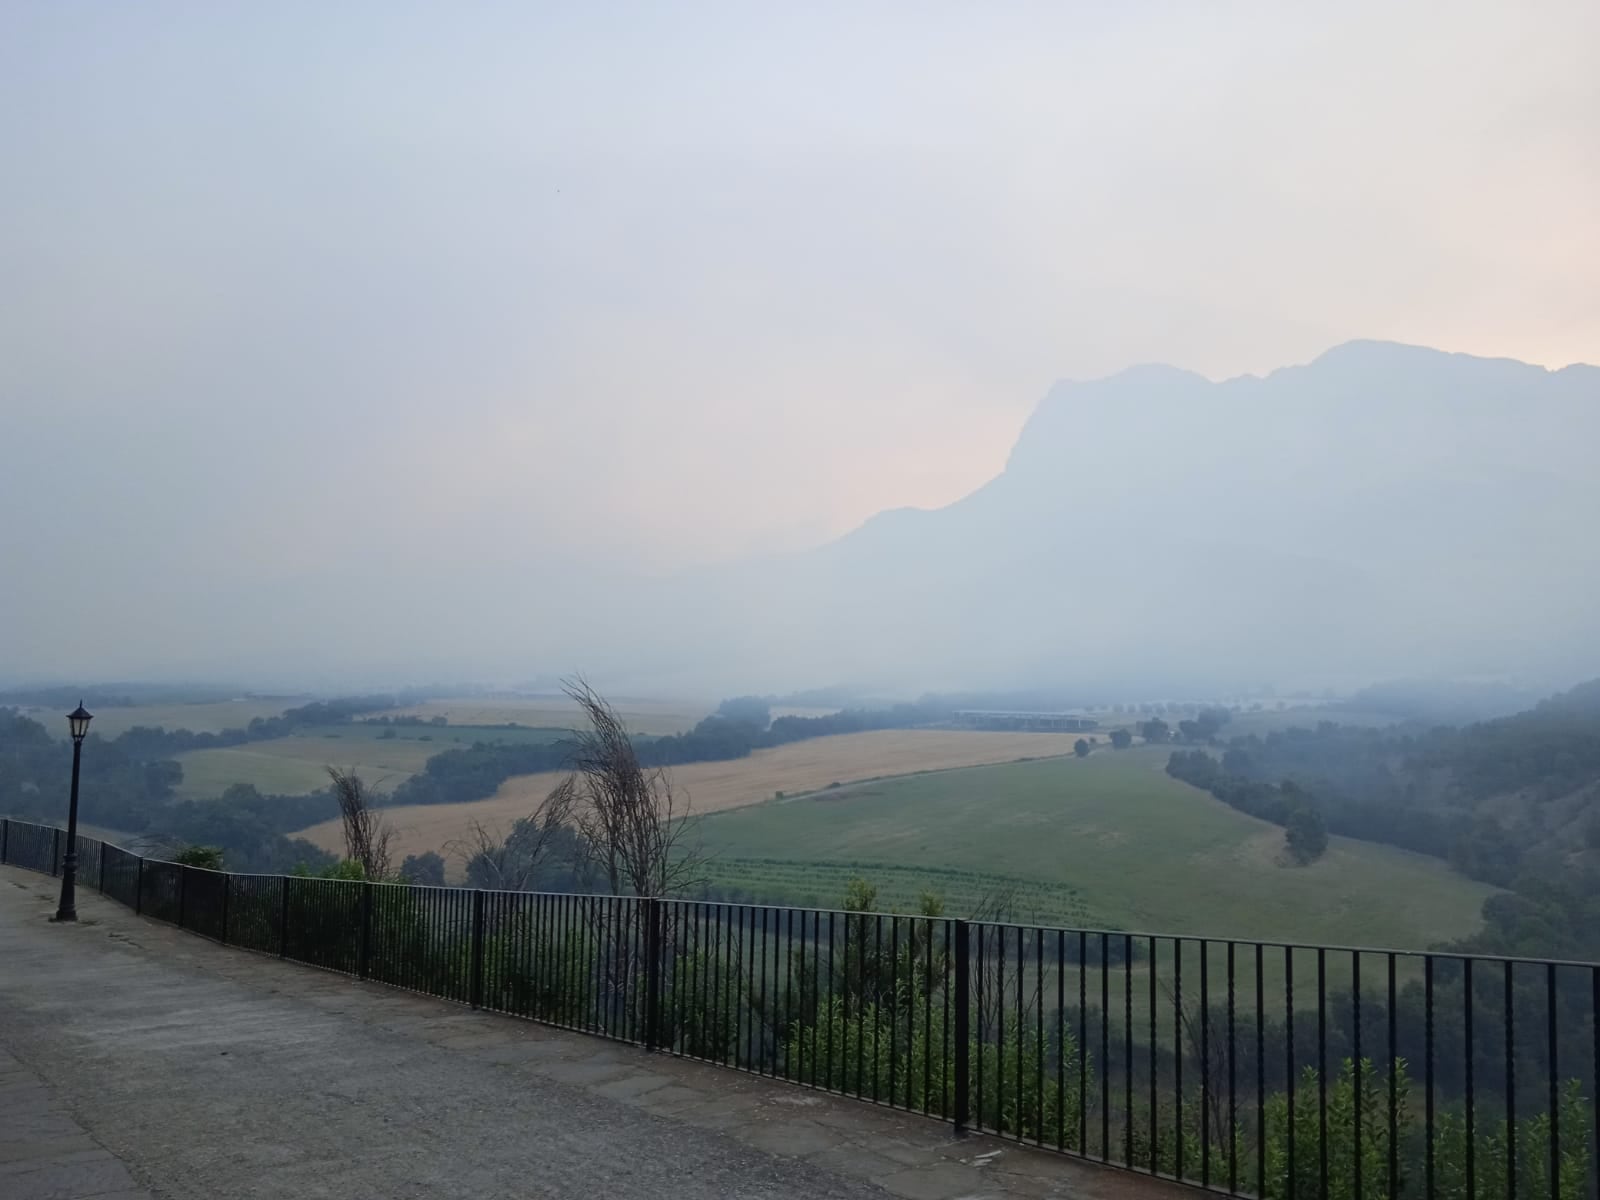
[[1135, 848]]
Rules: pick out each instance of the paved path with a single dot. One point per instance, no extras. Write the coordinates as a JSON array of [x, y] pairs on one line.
[[140, 1061]]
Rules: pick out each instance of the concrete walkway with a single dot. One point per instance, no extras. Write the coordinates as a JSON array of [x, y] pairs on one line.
[[140, 1061]]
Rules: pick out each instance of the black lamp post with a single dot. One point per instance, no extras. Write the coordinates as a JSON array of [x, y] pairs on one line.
[[78, 722]]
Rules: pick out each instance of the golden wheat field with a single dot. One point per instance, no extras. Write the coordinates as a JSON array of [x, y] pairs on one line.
[[712, 787]]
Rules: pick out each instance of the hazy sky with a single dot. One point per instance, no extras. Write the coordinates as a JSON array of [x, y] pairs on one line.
[[403, 302]]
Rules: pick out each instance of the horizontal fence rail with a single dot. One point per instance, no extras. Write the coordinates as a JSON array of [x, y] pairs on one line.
[[1247, 1068]]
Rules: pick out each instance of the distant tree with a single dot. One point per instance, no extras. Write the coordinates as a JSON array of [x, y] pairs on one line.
[[511, 860], [209, 857], [1305, 834], [1121, 739], [1155, 730], [424, 868], [749, 710], [1081, 748]]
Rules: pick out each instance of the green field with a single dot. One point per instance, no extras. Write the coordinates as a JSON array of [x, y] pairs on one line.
[[1108, 841], [1271, 720], [298, 764]]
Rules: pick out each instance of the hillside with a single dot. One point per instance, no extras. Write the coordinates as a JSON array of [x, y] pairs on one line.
[[1106, 841], [1513, 801], [1383, 511]]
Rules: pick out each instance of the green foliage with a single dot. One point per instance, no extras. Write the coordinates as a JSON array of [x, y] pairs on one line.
[[1121, 739], [209, 857], [1305, 835], [1346, 1104], [1491, 1152], [425, 868], [701, 1008], [346, 868], [1081, 748]]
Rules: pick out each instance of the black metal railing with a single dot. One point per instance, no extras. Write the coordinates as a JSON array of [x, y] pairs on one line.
[[1249, 1068]]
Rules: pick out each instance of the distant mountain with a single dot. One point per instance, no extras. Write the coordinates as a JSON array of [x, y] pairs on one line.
[[1384, 511]]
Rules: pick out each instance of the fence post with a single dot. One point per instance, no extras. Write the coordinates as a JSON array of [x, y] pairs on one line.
[[963, 1113], [5, 837], [283, 919], [227, 886], [364, 959], [55, 852], [477, 948], [183, 892], [138, 890], [653, 950], [101, 882]]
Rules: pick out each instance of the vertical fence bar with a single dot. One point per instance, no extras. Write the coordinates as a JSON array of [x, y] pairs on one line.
[[945, 1083], [1555, 1081], [963, 1032], [1427, 1072], [652, 978], [183, 894], [227, 886], [1061, 1039], [138, 890], [364, 953], [283, 917], [1322, 1069], [5, 839], [1177, 1055], [1594, 1080], [1394, 1090], [1205, 1064], [1467, 1056], [1511, 1087], [477, 949], [1355, 1060], [1289, 1081], [55, 852], [1105, 1046], [1233, 1095], [1083, 1042], [1155, 1104], [894, 1005], [1261, 1072], [1127, 1049], [983, 1030], [1022, 1038]]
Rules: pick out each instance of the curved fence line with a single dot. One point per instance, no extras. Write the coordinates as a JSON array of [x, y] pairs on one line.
[[1247, 1068]]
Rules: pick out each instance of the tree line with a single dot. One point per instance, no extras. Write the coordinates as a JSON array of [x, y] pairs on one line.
[[1513, 801]]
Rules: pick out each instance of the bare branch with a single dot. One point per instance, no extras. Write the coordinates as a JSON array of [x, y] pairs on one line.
[[510, 859], [633, 820], [366, 834]]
